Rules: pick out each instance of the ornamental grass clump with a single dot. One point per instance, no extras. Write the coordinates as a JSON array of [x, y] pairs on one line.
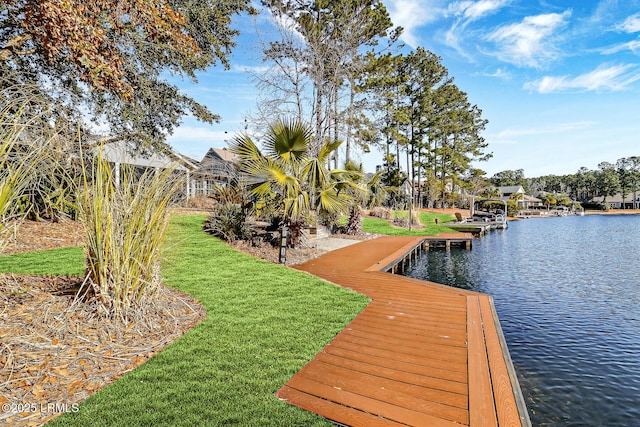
[[16, 167], [125, 217]]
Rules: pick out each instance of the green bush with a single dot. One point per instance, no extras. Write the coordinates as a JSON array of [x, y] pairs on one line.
[[229, 222]]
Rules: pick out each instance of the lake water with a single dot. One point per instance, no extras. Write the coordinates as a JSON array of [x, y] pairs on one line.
[[567, 292]]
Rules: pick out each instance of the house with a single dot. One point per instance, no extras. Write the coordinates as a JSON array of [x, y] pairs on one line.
[[509, 190], [120, 152], [217, 167], [523, 201], [616, 201]]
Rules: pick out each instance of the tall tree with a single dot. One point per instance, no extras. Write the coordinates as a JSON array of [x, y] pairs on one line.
[[635, 178], [626, 177], [508, 177], [424, 75], [334, 37], [607, 181], [108, 57], [456, 130]]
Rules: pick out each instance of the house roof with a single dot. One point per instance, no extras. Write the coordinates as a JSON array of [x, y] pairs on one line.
[[511, 189], [127, 152], [222, 154]]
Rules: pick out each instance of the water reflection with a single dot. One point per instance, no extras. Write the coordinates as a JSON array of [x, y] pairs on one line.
[[567, 293]]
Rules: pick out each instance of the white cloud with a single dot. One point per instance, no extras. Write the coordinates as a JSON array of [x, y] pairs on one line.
[[472, 11], [465, 13], [412, 15], [611, 78], [251, 69], [631, 24], [633, 46], [529, 43], [501, 74]]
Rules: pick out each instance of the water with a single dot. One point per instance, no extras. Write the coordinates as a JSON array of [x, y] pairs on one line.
[[567, 292]]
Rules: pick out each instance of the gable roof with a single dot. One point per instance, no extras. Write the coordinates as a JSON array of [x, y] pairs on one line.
[[221, 154], [511, 189], [126, 152]]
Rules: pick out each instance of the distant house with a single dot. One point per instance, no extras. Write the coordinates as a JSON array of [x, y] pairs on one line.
[[616, 202], [523, 201], [217, 167], [121, 152]]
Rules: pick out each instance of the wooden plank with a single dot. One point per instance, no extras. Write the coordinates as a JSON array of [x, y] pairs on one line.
[[460, 367], [381, 408], [506, 406], [406, 366], [404, 394], [333, 411], [429, 323], [455, 346], [439, 335], [458, 389], [481, 403], [438, 357], [449, 318], [377, 335]]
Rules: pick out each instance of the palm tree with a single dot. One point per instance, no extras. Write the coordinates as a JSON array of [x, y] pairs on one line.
[[286, 179], [366, 192]]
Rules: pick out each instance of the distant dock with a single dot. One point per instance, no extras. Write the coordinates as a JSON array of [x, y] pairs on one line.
[[476, 228]]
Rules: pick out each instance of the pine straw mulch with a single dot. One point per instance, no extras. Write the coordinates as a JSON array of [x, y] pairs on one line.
[[55, 350]]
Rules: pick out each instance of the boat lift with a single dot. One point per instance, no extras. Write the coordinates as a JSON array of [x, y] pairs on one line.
[[497, 218]]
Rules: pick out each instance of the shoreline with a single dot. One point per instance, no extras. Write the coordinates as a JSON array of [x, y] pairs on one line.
[[613, 212]]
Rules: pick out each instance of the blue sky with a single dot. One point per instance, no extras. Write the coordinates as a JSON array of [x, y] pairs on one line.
[[558, 81]]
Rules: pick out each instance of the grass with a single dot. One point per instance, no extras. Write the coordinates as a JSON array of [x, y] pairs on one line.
[[382, 226], [58, 262], [264, 322]]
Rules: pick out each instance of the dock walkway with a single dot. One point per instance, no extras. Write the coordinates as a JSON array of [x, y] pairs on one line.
[[420, 354]]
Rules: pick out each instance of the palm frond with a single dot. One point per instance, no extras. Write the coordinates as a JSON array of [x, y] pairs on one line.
[[288, 140], [331, 201], [246, 149], [327, 149]]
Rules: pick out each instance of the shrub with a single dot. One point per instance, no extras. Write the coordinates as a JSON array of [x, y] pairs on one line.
[[229, 222], [16, 171], [402, 217], [383, 213], [401, 222], [125, 226]]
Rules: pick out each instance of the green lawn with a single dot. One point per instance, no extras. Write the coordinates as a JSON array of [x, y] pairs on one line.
[[264, 322], [427, 219], [59, 262]]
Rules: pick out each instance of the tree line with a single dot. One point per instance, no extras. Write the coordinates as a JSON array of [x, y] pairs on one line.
[[339, 67], [610, 179]]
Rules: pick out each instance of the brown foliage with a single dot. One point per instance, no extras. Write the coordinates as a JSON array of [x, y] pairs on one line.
[[86, 33]]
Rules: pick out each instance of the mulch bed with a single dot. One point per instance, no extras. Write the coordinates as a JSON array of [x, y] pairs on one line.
[[42, 235], [55, 350]]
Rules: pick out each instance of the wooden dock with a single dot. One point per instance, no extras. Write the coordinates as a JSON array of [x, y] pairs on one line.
[[399, 262], [420, 354], [477, 228]]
